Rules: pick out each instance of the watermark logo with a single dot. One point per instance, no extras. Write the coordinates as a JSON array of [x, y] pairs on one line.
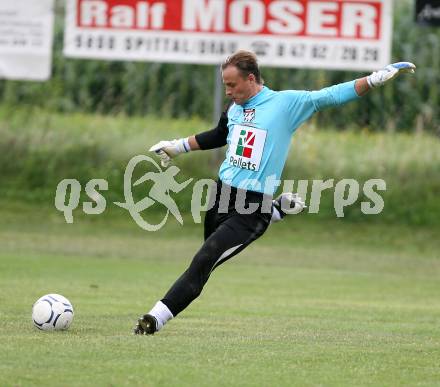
[[163, 185]]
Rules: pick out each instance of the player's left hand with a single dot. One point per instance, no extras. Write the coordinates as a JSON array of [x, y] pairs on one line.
[[378, 78]]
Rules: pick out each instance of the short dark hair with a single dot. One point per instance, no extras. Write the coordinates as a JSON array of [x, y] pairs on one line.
[[246, 63]]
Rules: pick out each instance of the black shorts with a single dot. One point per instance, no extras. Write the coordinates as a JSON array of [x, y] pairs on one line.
[[234, 221]]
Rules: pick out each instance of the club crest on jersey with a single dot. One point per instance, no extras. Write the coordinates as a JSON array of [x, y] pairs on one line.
[[248, 115]]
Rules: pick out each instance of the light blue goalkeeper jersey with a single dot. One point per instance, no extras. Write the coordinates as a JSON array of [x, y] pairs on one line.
[[260, 132]]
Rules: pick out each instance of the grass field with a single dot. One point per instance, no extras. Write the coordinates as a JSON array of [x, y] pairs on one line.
[[309, 304], [38, 149]]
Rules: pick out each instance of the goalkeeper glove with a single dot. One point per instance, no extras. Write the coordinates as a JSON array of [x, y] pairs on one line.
[[288, 203], [167, 150], [378, 78]]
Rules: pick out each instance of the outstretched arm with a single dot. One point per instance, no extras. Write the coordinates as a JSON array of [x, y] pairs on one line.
[[193, 144], [210, 139], [361, 86], [378, 78], [344, 92]]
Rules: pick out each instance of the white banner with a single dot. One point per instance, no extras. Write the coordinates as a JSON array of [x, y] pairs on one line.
[[333, 34], [26, 36]]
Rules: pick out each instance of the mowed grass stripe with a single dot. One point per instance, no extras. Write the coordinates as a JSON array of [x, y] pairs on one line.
[[268, 317]]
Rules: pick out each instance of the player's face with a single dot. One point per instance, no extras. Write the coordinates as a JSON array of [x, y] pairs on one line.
[[237, 87]]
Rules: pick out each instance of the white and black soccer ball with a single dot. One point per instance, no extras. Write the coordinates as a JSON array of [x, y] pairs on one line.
[[52, 312]]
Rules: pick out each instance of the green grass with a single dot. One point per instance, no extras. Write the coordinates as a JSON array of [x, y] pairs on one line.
[[309, 304], [38, 149]]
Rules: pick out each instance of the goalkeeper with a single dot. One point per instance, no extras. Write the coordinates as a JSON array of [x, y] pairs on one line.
[[257, 126]]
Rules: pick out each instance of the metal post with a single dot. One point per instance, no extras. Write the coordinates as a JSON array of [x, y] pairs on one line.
[[218, 154], [218, 94]]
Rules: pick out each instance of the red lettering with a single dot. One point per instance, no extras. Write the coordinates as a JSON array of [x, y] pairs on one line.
[[314, 18]]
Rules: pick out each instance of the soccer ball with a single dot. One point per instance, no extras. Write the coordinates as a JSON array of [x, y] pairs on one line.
[[52, 312]]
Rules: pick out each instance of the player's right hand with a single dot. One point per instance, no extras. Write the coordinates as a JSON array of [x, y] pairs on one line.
[[167, 150]]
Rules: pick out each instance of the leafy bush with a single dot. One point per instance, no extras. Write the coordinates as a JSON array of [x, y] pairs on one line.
[[185, 91], [39, 149]]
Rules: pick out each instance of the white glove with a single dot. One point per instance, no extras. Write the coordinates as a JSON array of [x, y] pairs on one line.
[[167, 150], [378, 78], [289, 203]]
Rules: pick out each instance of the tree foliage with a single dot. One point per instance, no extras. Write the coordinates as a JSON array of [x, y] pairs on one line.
[[177, 90]]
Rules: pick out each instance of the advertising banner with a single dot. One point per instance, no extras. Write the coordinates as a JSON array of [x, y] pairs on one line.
[[428, 12], [332, 34], [26, 36]]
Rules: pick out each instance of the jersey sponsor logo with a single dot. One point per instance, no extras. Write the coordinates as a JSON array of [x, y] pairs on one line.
[[248, 115], [246, 149], [245, 143]]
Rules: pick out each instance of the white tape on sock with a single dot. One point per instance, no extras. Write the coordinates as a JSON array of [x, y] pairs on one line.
[[162, 314]]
